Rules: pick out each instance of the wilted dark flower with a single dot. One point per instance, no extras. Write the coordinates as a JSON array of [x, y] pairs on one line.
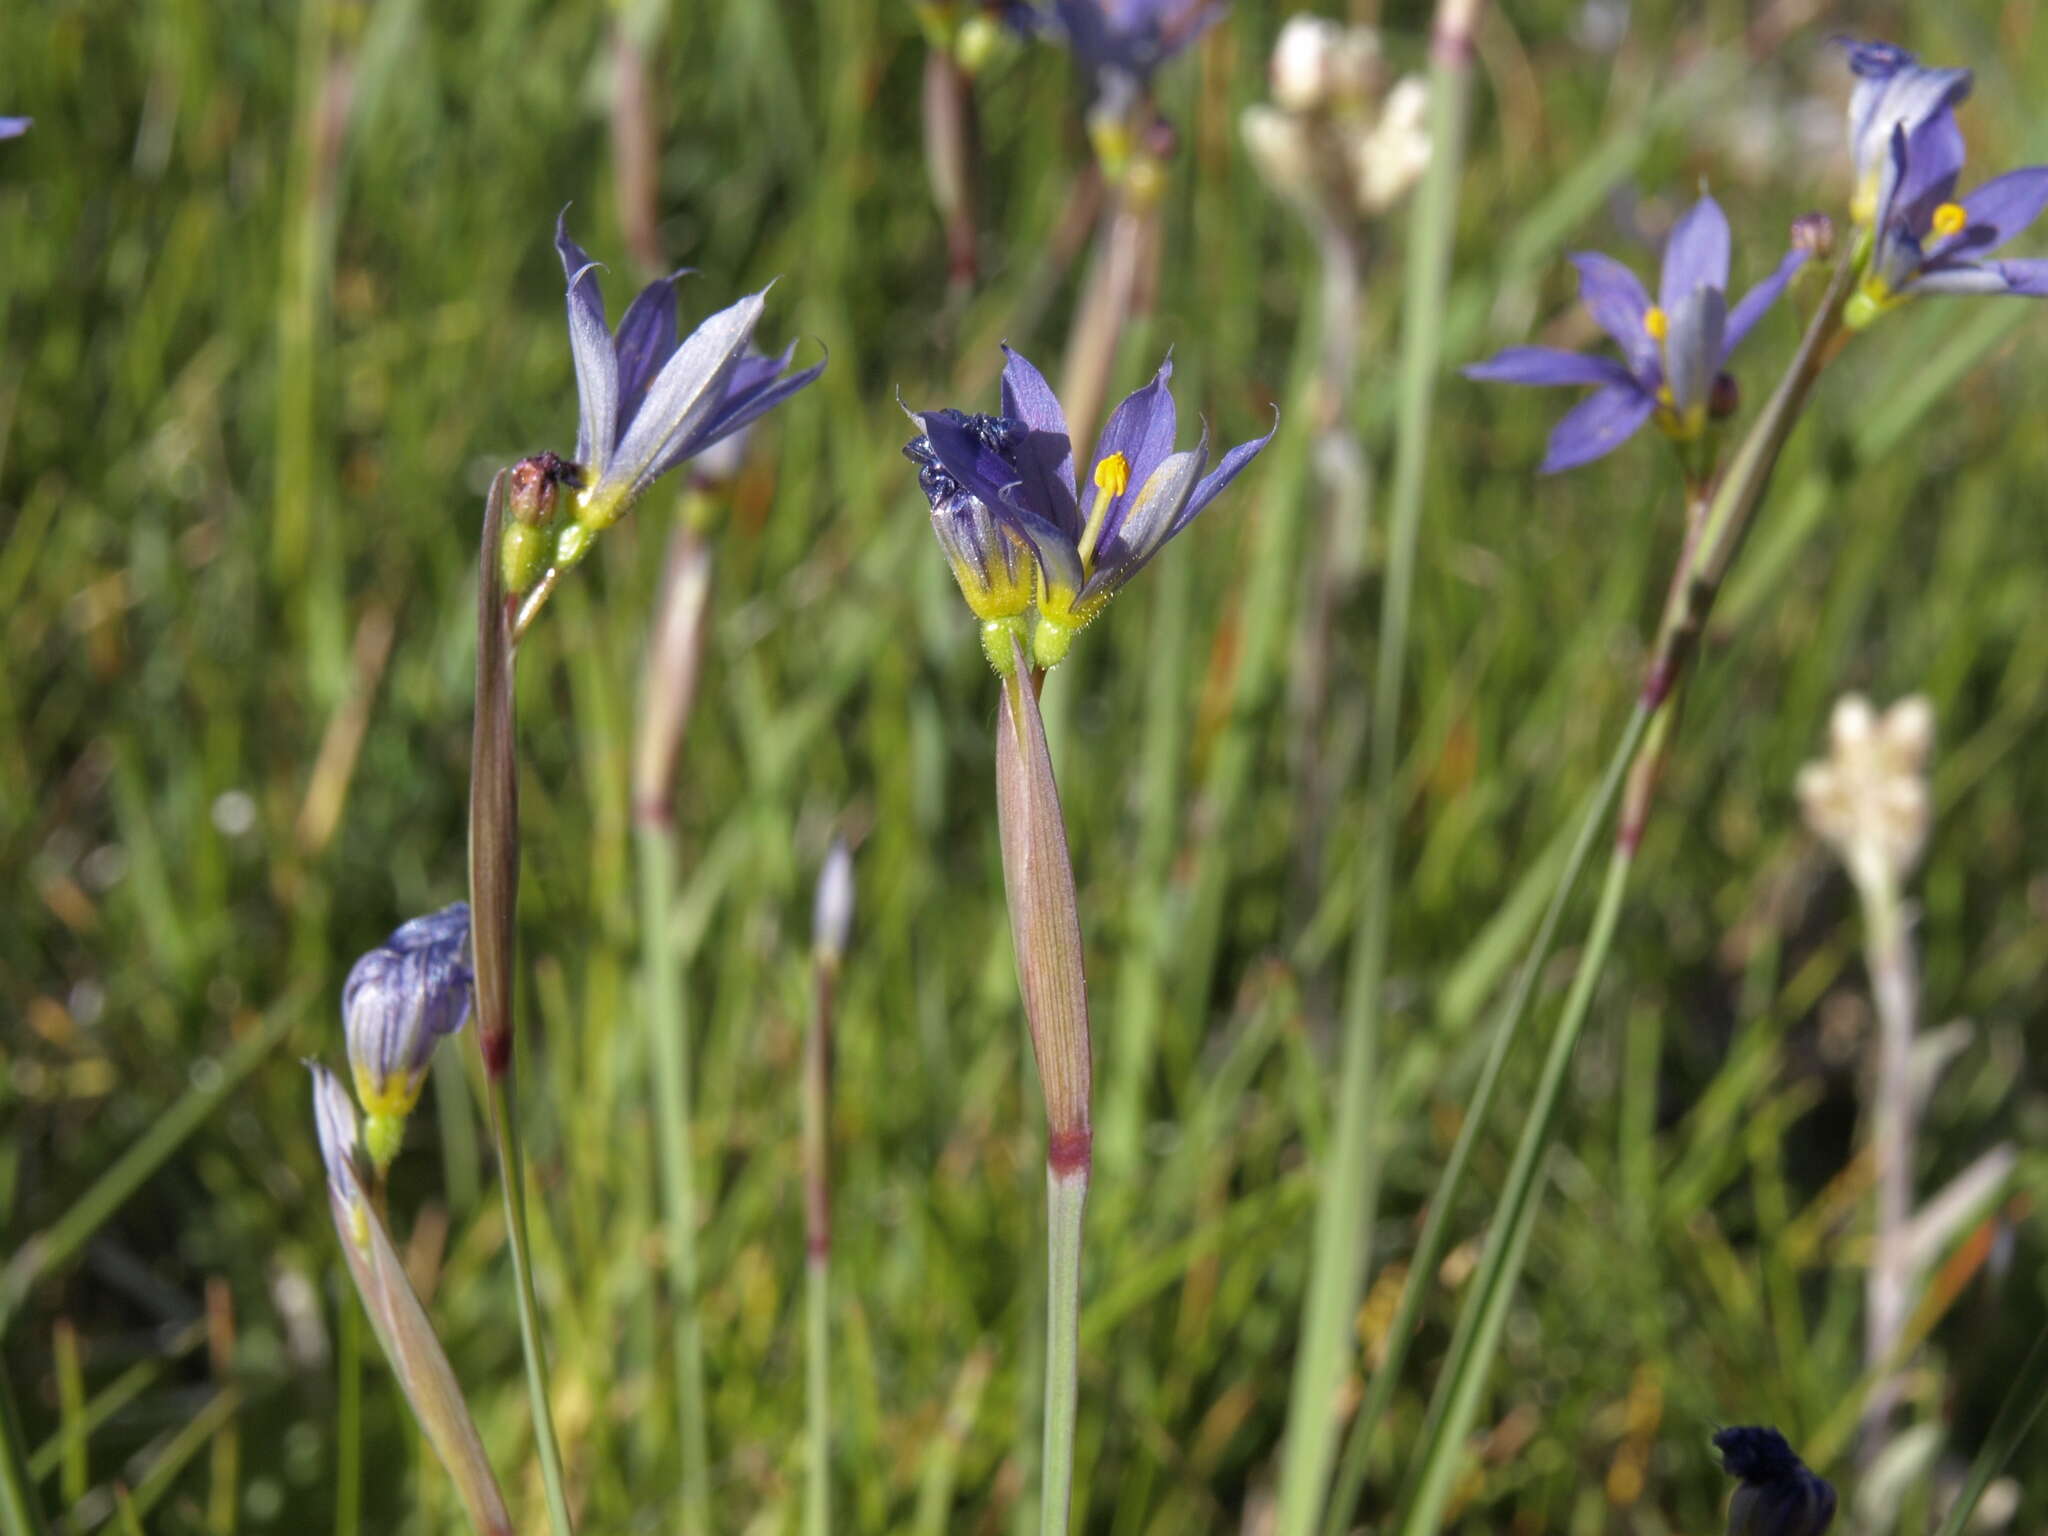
[[1673, 351], [1923, 240], [400, 999], [14, 127], [1019, 467], [1778, 1494], [646, 402]]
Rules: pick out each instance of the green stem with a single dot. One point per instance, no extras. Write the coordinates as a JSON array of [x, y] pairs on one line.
[[2022, 1405], [1472, 1345], [512, 1176], [1348, 1191], [1422, 1266], [668, 1025], [348, 1413], [818, 1255], [19, 1511], [1066, 1195]]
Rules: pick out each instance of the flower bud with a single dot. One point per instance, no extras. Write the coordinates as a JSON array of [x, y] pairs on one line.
[[398, 1002], [1778, 1494], [1281, 151], [1814, 233], [1304, 61], [995, 568], [1388, 162], [1724, 399], [832, 914]]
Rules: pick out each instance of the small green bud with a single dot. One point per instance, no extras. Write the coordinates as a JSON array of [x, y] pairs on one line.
[[1050, 639], [996, 637], [524, 554], [573, 543]]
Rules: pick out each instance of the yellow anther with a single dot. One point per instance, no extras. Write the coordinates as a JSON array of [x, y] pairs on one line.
[[1656, 322], [1113, 475], [1949, 219], [1665, 398]]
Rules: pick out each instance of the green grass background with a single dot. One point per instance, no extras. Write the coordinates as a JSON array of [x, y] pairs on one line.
[[262, 353]]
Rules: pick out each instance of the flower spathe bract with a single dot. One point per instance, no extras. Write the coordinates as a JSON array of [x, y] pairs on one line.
[[399, 1001], [334, 1124], [1778, 1494], [647, 400], [1924, 240], [1088, 542], [1673, 350]]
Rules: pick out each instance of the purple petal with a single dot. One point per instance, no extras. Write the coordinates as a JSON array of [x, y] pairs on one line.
[[1059, 562], [1153, 516], [2003, 207], [1934, 159], [2028, 276], [646, 339], [752, 390], [590, 343], [685, 395], [1964, 277], [1548, 365], [1893, 90], [1211, 485], [14, 127], [1693, 346], [1618, 303], [1753, 304], [1696, 255], [1142, 429], [1596, 426], [1045, 458]]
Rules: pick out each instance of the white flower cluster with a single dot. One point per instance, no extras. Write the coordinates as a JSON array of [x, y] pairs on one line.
[[1334, 139], [1868, 800]]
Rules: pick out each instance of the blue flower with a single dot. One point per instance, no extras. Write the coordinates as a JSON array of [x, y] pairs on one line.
[[1778, 1495], [14, 127], [645, 401], [1922, 240], [1673, 351], [400, 999], [1019, 468], [1129, 39], [1895, 93]]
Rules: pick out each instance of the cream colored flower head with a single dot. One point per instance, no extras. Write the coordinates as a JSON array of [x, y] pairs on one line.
[[1869, 799]]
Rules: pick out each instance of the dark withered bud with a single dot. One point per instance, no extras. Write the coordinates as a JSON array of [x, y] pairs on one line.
[[530, 501], [1814, 233], [1725, 398]]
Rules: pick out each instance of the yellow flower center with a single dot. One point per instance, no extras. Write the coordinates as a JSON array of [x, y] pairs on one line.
[[1113, 475], [1657, 323], [1949, 219]]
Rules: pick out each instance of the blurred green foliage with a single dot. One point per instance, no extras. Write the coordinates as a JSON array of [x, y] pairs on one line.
[[278, 297]]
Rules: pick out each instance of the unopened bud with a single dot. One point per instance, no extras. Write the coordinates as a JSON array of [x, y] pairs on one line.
[[532, 498], [1303, 60], [832, 913], [1814, 233], [1725, 398], [1389, 161], [1280, 150], [1869, 800]]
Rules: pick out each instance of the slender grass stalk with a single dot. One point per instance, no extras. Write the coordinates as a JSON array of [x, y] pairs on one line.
[[668, 1030], [2016, 1416], [1888, 955], [19, 1510], [110, 1400], [1066, 1197], [56, 1244], [1478, 1330], [833, 917], [348, 1415], [1429, 1247], [1348, 1189], [512, 1175], [71, 1410], [667, 698]]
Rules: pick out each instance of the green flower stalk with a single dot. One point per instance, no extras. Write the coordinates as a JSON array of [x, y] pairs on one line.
[[831, 921]]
